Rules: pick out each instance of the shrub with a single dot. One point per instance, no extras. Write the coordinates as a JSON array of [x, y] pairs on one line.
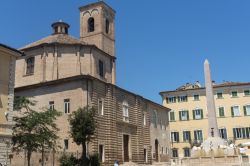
[[94, 160], [66, 160]]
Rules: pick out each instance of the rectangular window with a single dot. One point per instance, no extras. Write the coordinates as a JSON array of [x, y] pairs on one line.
[[30, 63], [186, 152], [174, 152], [182, 99], [144, 119], [186, 136], [171, 99], [175, 136], [51, 105], [198, 135], [235, 111], [100, 106], [101, 68], [125, 113], [238, 133], [246, 92], [246, 110], [198, 114], [101, 153], [171, 116], [234, 94], [219, 95], [66, 106], [66, 144], [196, 97], [221, 112], [223, 133], [183, 115]]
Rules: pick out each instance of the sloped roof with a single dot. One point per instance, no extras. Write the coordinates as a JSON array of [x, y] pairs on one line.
[[55, 38]]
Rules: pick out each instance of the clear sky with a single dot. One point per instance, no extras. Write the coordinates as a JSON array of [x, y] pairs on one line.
[[160, 44]]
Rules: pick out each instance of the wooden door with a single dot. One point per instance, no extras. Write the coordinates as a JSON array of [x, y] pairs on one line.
[[126, 148]]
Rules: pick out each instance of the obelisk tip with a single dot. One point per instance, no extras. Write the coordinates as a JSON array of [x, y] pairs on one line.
[[206, 62]]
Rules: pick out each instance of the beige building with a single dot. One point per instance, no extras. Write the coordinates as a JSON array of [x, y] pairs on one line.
[[65, 73], [188, 115], [8, 57]]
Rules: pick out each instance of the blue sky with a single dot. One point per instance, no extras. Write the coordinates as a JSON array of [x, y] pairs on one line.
[[160, 44]]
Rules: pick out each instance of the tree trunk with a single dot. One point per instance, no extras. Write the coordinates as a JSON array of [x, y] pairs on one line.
[[42, 155], [29, 157], [83, 151]]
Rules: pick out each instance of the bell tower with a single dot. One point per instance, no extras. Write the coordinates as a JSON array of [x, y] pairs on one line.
[[97, 26]]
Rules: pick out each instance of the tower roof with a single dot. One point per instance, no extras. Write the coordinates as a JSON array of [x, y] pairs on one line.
[[99, 3], [55, 38], [59, 35]]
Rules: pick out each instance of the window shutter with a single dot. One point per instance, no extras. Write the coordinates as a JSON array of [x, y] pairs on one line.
[[232, 111], [201, 113], [195, 135], [243, 132], [193, 114], [247, 132], [245, 110], [189, 135], [187, 115], [177, 136], [180, 115], [234, 132]]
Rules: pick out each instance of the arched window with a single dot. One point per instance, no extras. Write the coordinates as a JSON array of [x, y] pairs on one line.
[[107, 26], [154, 118], [91, 24], [125, 111]]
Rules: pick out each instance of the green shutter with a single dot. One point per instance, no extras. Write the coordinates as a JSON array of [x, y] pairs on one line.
[[243, 132], [232, 111], [247, 132], [180, 115], [201, 113], [177, 137], [189, 136], [195, 136], [245, 110], [234, 132], [187, 115], [193, 115]]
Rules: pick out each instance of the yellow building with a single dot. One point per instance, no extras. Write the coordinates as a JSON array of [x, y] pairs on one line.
[[7, 75], [188, 115]]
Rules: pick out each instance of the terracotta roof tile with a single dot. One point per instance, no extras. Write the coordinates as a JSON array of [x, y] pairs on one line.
[[56, 38]]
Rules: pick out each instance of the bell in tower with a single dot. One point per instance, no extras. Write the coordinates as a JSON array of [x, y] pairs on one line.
[[97, 26]]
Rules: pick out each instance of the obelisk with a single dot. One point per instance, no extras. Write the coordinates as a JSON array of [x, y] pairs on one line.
[[212, 120]]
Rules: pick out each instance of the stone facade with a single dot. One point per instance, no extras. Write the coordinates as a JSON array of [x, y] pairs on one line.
[[87, 90], [7, 78], [61, 68], [232, 106]]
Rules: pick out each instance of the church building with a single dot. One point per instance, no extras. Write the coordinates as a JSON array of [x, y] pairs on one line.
[[64, 73]]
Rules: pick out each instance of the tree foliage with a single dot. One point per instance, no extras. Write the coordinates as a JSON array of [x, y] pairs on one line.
[[83, 126], [66, 160], [33, 131]]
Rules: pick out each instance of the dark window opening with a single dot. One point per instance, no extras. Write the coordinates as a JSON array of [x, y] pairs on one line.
[[101, 68], [101, 153], [51, 105], [30, 65], [107, 26], [66, 106], [91, 24], [66, 144]]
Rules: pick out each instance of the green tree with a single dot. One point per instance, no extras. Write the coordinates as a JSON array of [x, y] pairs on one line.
[[66, 160], [83, 126], [33, 131]]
